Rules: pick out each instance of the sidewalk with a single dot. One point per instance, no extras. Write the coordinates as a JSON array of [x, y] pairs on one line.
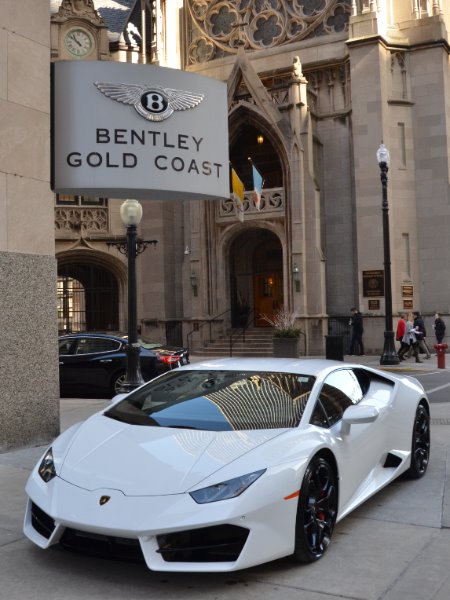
[[370, 360], [394, 547]]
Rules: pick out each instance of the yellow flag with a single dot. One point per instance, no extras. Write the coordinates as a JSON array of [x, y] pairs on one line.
[[237, 186]]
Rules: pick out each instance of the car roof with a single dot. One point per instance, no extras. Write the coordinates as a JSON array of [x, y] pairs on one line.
[[91, 334]]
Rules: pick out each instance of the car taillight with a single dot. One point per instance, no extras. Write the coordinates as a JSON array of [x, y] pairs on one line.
[[169, 359]]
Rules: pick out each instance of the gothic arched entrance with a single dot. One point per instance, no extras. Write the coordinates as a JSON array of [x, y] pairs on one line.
[[88, 298], [256, 276]]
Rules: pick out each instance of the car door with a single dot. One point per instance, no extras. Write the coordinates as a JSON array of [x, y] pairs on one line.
[[92, 362], [67, 375], [360, 450]]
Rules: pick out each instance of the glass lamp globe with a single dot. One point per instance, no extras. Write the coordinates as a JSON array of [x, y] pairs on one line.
[[131, 212], [383, 155]]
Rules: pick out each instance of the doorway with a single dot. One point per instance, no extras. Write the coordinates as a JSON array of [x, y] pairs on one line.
[[268, 295], [256, 277], [88, 298]]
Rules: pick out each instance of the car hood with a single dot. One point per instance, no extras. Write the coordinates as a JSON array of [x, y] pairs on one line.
[[141, 460]]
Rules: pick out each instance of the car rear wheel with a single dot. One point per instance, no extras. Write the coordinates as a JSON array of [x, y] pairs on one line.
[[317, 511], [116, 383], [420, 447]]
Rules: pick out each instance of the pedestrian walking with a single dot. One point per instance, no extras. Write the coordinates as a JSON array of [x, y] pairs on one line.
[[439, 328], [421, 334], [357, 329], [409, 340], [401, 326]]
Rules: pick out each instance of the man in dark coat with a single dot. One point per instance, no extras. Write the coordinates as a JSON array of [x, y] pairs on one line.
[[356, 324], [419, 326], [439, 328]]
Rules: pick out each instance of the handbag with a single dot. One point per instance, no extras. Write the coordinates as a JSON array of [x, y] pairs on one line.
[[419, 336]]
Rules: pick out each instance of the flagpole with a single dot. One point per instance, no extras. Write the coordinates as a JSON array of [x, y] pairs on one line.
[[143, 34]]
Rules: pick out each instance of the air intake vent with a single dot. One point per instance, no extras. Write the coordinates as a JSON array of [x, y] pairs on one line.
[[102, 545], [392, 461], [41, 521], [221, 543]]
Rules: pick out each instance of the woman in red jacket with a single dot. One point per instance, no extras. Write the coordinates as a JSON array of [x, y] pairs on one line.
[[401, 326]]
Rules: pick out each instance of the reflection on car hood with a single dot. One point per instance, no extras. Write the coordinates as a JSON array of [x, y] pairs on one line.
[[151, 460]]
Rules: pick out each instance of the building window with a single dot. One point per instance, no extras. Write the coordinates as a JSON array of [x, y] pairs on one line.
[[402, 144], [68, 200], [71, 305]]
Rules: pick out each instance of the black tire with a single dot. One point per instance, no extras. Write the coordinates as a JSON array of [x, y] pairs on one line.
[[420, 446], [316, 512], [116, 382]]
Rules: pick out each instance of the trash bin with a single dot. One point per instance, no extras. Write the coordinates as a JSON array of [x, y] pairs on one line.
[[334, 347]]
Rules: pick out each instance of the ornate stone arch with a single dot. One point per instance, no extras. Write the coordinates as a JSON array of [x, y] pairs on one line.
[[247, 113], [102, 259], [78, 264]]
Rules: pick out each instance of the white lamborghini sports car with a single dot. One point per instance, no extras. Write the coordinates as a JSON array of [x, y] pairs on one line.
[[222, 465]]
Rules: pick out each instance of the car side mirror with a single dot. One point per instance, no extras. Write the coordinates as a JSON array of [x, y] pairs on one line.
[[356, 414]]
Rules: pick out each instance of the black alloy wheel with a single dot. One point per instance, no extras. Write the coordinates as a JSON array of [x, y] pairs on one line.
[[317, 511], [420, 447]]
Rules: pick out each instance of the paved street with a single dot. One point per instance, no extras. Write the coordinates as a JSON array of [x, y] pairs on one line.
[[394, 547]]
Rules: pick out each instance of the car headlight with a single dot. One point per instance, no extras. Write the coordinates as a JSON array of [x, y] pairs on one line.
[[47, 467], [226, 489]]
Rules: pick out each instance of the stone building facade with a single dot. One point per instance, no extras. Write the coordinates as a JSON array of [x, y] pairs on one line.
[[29, 396], [313, 89]]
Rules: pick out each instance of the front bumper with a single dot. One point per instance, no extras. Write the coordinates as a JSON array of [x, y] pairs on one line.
[[171, 533]]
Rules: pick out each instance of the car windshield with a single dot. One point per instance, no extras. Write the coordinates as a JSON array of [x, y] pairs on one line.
[[213, 400]]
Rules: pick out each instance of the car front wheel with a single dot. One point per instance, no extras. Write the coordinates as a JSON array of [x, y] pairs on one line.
[[420, 447], [317, 511]]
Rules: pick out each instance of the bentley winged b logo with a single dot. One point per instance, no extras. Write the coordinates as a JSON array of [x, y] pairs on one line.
[[152, 102]]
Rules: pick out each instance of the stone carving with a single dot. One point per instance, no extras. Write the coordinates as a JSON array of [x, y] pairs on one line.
[[271, 201], [221, 26], [297, 68], [78, 8], [76, 219]]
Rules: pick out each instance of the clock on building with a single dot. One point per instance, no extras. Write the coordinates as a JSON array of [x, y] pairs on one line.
[[79, 42]]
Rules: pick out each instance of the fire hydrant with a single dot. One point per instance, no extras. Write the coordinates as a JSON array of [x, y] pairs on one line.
[[440, 352]]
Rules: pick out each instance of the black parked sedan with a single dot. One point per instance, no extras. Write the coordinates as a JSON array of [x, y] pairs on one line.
[[95, 363]]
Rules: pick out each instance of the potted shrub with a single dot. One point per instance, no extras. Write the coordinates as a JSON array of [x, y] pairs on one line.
[[286, 335]]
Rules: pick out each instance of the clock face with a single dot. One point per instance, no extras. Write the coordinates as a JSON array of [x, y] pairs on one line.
[[79, 42]]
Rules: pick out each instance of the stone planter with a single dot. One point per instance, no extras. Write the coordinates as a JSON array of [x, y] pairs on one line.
[[286, 347]]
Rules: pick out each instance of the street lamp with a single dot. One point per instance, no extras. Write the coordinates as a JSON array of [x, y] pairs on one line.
[[296, 277], [389, 356], [131, 215], [194, 283]]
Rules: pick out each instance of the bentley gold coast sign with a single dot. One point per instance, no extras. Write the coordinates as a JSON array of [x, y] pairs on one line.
[[138, 131]]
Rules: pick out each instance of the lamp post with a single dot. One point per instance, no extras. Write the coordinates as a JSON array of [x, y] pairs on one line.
[[389, 356], [131, 215], [296, 277], [194, 283]]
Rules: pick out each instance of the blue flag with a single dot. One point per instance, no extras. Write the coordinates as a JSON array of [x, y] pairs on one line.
[[258, 183]]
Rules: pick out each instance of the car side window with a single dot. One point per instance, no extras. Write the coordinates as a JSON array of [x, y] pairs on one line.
[[65, 347], [339, 390], [93, 345]]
